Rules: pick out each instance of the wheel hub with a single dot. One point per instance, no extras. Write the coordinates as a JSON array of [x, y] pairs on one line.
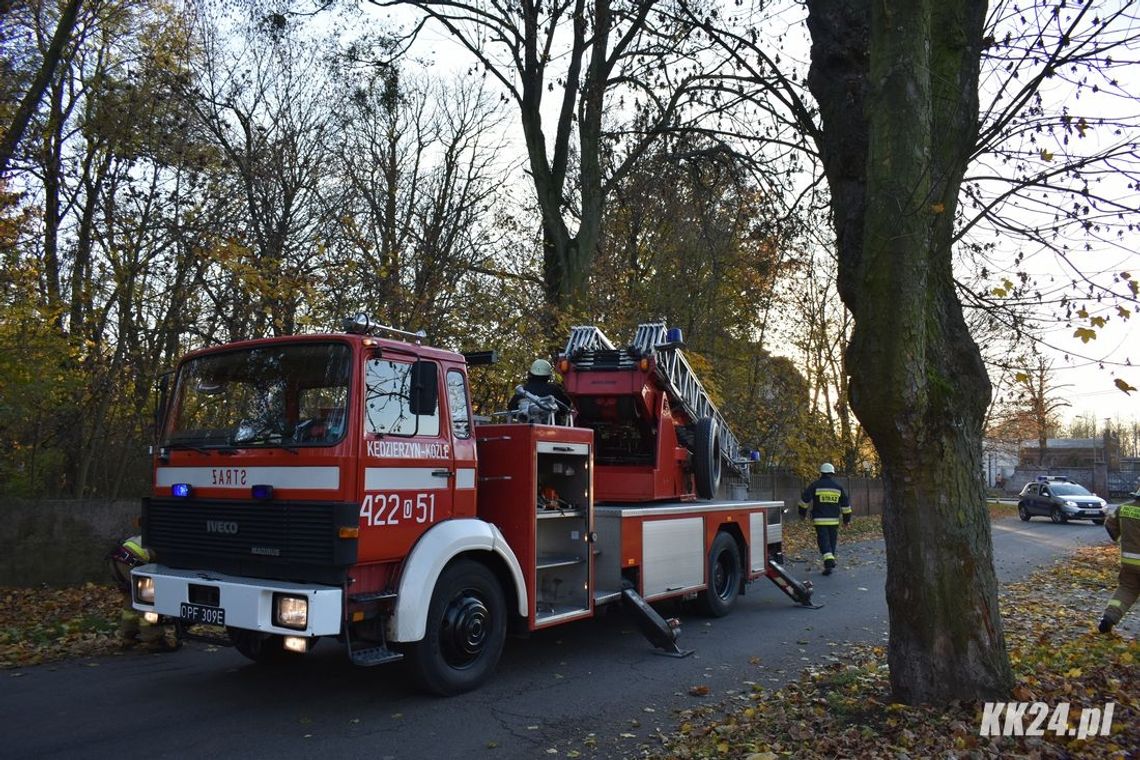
[[466, 626], [721, 579]]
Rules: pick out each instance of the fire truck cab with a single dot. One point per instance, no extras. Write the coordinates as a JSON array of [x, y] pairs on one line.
[[337, 485]]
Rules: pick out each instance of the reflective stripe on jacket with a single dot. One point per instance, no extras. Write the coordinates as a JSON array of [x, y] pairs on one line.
[[1124, 524], [827, 501]]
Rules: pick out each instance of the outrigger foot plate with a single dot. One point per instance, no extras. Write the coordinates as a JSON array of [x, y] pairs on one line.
[[661, 633], [799, 591]]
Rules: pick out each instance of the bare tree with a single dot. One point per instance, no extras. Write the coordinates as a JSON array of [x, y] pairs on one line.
[[1039, 399], [904, 94], [420, 167], [1052, 189], [260, 97], [53, 54], [623, 74]]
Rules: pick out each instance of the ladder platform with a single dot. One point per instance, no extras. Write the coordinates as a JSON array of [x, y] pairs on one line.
[[590, 350]]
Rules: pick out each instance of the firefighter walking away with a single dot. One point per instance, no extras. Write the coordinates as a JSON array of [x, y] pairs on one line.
[[1124, 525], [828, 503]]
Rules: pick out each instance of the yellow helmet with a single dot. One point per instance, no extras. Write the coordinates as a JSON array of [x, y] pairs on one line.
[[131, 553]]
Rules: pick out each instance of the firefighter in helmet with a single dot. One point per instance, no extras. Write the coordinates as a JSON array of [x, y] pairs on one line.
[[540, 382], [1124, 525], [829, 504], [133, 628]]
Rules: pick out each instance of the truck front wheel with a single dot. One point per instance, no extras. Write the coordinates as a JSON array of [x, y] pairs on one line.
[[725, 575], [466, 628]]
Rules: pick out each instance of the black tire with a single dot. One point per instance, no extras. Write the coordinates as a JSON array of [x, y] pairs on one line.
[[1057, 516], [706, 457], [262, 648], [1023, 513], [466, 629], [725, 577]]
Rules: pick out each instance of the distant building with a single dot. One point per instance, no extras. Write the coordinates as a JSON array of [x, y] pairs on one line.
[[999, 460], [1072, 452]]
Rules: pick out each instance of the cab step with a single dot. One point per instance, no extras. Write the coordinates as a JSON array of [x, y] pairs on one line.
[[370, 656]]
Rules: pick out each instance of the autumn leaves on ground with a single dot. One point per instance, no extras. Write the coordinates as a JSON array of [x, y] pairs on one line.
[[844, 710], [839, 709]]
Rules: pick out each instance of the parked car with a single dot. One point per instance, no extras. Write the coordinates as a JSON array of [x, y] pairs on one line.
[[1060, 500]]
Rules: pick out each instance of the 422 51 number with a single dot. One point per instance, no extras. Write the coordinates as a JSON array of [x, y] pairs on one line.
[[392, 508]]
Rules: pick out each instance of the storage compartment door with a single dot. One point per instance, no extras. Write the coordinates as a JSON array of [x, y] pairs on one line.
[[673, 555], [759, 546]]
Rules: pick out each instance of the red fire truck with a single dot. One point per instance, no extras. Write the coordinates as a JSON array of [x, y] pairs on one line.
[[337, 485]]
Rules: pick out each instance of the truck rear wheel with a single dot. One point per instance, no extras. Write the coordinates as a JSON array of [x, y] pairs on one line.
[[725, 575], [706, 457], [466, 628]]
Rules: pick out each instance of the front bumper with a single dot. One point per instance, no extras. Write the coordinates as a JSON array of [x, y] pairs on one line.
[[248, 602], [1083, 513]]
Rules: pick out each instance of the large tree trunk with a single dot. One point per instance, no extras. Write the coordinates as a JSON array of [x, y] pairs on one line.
[[897, 87]]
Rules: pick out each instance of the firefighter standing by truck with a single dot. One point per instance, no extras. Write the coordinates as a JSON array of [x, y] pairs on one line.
[[1124, 525], [829, 504], [540, 382], [133, 628]]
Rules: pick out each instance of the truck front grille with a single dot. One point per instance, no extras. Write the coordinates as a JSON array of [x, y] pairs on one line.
[[280, 540]]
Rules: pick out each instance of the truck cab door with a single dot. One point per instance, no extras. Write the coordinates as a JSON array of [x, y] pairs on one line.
[[463, 442], [408, 464]]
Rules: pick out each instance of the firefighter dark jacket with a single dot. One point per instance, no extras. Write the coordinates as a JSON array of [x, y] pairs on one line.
[[541, 386], [1124, 524], [827, 500]]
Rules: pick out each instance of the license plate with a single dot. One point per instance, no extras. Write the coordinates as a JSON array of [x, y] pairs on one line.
[[201, 614]]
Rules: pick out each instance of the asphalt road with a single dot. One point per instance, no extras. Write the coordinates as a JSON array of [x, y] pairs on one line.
[[593, 686]]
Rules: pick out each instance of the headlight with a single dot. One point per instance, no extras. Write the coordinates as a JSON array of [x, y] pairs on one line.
[[144, 589], [290, 611], [1070, 504]]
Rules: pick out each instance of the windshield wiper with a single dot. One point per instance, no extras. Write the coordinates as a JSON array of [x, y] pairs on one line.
[[224, 448], [273, 440], [185, 447]]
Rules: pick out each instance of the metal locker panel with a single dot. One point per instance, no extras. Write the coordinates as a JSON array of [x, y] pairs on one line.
[[673, 555], [759, 540]]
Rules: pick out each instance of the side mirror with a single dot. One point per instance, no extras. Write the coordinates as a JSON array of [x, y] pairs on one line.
[[425, 388]]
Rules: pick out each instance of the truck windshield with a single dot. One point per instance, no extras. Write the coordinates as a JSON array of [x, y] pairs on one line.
[[281, 395]]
